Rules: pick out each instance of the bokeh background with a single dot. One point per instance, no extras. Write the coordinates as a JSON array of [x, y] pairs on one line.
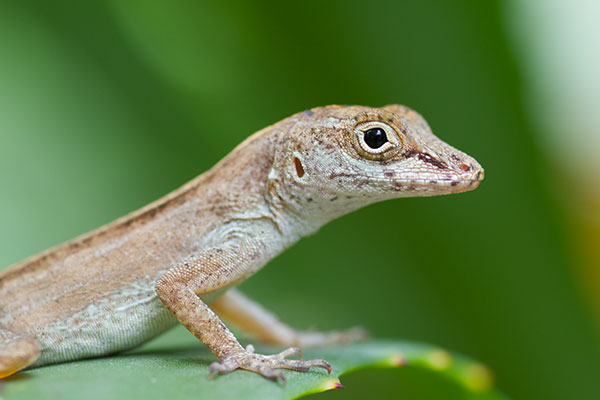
[[106, 106]]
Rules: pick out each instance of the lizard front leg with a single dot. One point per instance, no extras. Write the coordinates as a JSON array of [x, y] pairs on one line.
[[214, 269], [254, 320]]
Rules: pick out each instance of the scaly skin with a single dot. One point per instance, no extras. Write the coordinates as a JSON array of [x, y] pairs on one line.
[[179, 258]]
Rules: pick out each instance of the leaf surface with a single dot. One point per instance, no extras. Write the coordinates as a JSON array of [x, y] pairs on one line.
[[177, 367]]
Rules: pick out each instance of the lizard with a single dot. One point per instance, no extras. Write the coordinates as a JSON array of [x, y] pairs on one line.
[[178, 259]]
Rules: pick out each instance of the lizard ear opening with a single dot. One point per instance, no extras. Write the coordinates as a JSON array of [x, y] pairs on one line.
[[299, 167]]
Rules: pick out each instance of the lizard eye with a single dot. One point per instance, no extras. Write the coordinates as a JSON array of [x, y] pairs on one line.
[[376, 140]]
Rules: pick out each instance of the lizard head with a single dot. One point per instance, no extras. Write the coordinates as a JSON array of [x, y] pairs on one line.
[[339, 158]]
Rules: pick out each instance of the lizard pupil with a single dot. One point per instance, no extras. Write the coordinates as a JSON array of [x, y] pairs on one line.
[[375, 138]]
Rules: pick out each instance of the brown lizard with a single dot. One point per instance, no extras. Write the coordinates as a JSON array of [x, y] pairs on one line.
[[179, 258]]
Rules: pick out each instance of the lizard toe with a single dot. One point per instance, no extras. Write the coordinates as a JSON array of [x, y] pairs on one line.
[[268, 366], [292, 351]]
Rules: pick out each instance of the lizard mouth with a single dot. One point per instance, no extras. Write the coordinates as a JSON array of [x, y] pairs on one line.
[[436, 185]]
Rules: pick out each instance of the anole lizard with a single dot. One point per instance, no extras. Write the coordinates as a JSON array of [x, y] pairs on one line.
[[179, 258]]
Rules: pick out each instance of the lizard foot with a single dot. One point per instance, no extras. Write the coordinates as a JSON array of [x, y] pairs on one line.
[[320, 339], [266, 365]]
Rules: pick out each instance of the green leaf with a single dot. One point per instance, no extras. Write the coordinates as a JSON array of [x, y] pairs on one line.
[[177, 366]]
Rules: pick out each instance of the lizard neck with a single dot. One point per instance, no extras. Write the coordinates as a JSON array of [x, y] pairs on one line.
[[299, 215]]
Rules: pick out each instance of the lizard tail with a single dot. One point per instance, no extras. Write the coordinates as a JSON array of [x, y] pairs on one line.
[[16, 352]]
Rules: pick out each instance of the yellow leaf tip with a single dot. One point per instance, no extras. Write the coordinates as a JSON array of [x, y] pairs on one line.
[[333, 384]]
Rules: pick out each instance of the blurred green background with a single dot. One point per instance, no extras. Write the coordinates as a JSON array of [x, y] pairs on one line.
[[106, 106]]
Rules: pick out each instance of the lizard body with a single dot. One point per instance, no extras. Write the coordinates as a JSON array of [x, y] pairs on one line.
[[178, 258]]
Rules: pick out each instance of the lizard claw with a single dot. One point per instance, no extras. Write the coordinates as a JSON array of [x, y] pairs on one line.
[[266, 365]]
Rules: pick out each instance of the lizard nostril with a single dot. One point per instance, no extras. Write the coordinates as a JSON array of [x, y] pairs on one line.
[[464, 167]]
